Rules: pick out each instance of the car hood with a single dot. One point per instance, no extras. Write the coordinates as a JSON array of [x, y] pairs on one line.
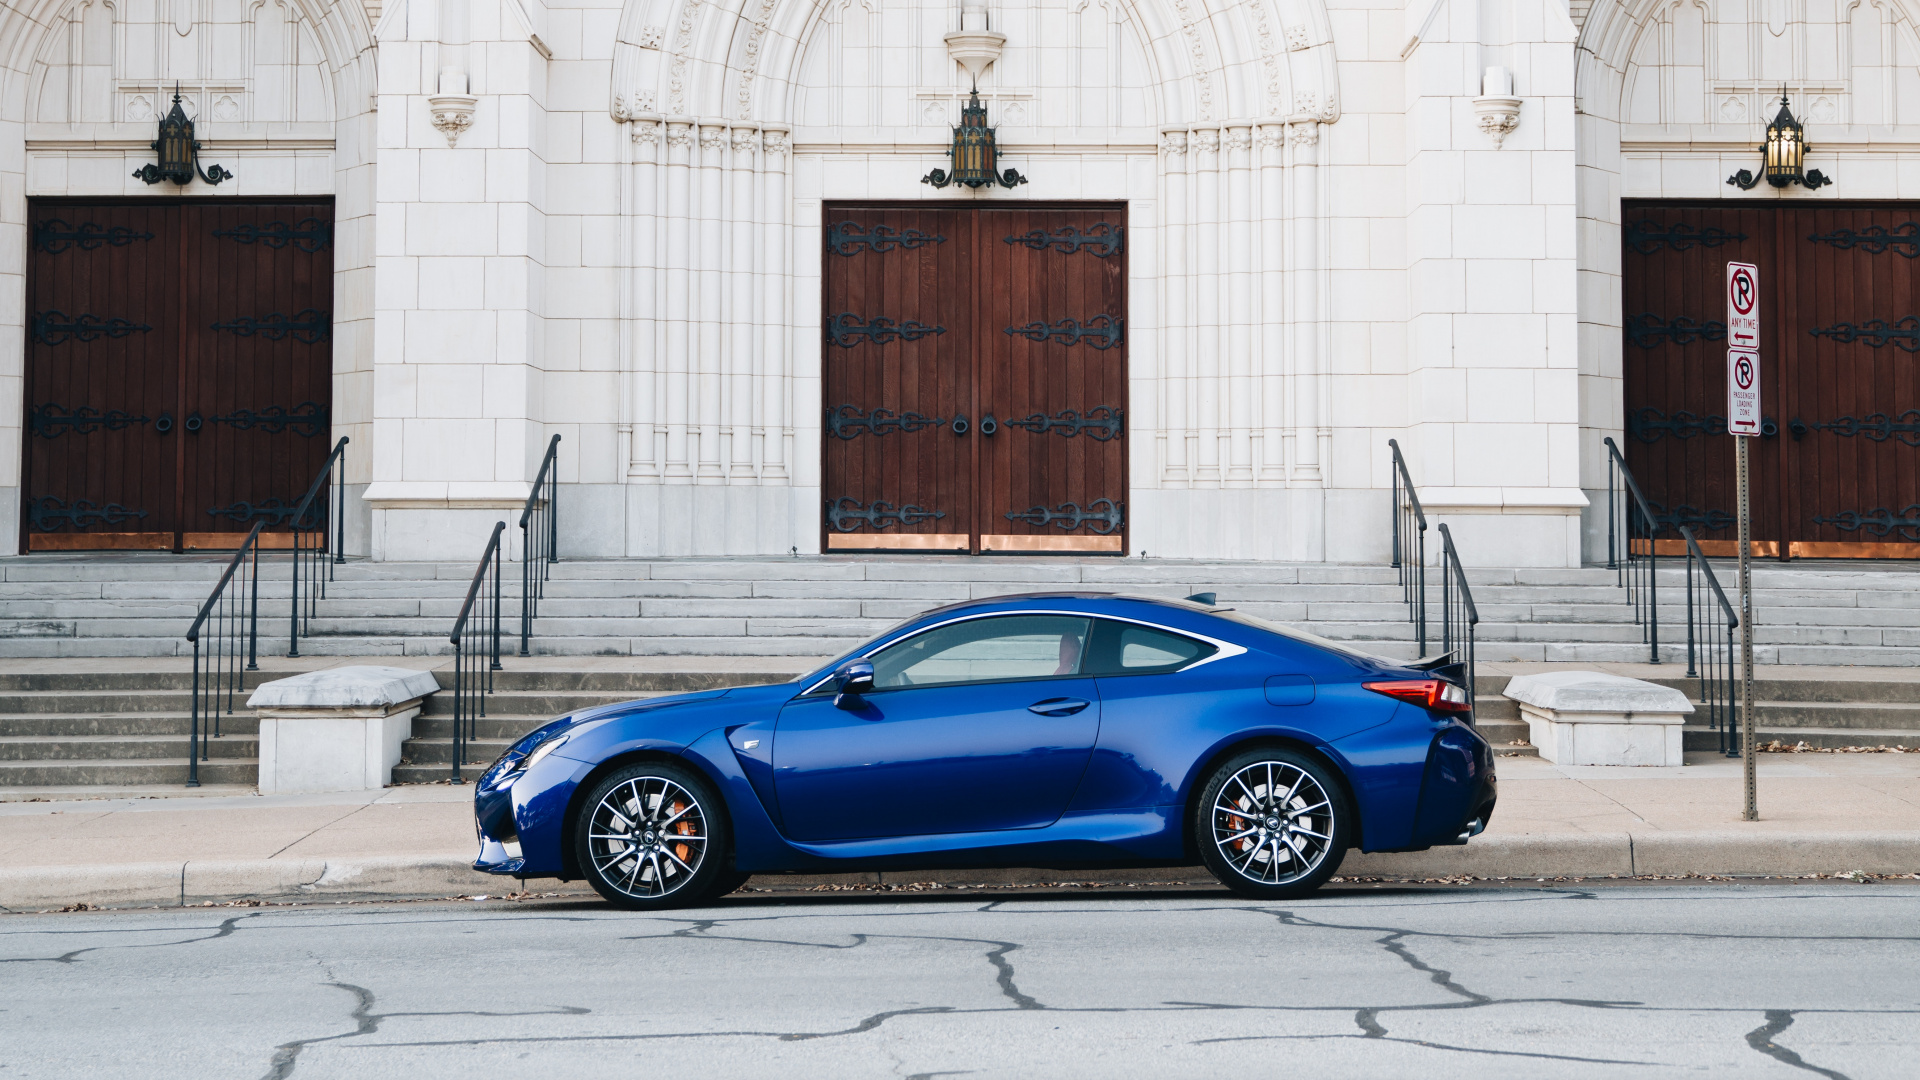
[[675, 720]]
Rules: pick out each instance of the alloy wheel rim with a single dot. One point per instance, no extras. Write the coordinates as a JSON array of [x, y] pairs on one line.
[[648, 837], [1272, 823]]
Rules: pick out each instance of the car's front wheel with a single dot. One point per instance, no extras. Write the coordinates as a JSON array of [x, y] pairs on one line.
[[653, 835], [1272, 823]]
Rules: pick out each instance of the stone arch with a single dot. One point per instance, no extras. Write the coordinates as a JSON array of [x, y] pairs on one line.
[[1211, 60], [1612, 37]]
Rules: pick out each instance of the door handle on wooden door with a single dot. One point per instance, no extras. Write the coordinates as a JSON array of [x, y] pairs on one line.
[[960, 423], [988, 425], [1059, 706]]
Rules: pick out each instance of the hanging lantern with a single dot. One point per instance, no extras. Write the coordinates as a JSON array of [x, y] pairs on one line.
[[179, 153], [1784, 154], [973, 153]]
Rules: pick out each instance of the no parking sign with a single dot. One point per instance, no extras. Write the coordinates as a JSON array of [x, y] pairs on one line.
[[1743, 349], [1743, 392], [1743, 306]]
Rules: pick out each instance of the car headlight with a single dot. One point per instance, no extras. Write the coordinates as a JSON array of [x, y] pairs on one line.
[[503, 772], [542, 750]]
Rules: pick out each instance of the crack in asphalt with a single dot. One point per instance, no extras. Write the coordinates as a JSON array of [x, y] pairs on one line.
[[1003, 968], [1367, 1019], [1370, 1020], [1761, 1039], [367, 1022], [225, 929]]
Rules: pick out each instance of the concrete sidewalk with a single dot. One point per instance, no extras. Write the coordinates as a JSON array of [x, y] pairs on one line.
[[1820, 813]]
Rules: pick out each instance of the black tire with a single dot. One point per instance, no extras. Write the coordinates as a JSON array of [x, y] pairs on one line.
[[730, 883], [1296, 841], [681, 863]]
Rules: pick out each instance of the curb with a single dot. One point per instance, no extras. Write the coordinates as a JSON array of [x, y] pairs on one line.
[[401, 877]]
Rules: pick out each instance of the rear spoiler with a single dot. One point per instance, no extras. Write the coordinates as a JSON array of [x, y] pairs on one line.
[[1443, 666]]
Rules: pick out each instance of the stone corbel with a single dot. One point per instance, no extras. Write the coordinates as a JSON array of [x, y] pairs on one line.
[[452, 114], [1498, 109]]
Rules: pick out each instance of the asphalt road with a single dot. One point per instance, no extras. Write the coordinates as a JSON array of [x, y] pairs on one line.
[[1570, 981]]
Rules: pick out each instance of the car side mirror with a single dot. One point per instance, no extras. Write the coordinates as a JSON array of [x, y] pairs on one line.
[[854, 678]]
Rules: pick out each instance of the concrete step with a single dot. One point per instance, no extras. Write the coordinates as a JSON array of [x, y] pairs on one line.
[[66, 725], [122, 747], [1701, 737], [170, 772]]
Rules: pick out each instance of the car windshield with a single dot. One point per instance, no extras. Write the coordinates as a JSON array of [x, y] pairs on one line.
[[1298, 634]]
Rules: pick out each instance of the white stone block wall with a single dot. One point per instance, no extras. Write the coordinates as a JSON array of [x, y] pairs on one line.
[[1326, 250]]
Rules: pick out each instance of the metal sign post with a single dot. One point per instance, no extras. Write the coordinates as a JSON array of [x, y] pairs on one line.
[[1743, 422]]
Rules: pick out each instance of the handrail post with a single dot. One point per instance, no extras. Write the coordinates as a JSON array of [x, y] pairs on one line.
[[1653, 592], [340, 517], [253, 632], [293, 605], [553, 504], [526, 590], [1611, 564], [1687, 535], [1398, 512], [496, 613], [193, 730]]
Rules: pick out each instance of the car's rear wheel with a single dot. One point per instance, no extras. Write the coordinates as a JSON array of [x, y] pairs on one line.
[[1272, 823], [653, 835]]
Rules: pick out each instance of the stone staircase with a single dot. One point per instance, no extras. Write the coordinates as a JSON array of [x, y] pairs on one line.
[[124, 733], [139, 605]]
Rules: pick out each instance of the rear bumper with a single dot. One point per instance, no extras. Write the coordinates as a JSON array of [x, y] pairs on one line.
[[1458, 790]]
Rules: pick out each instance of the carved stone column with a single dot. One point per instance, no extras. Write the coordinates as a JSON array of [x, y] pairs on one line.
[[642, 231], [1175, 425], [774, 282], [1205, 310], [743, 316], [1240, 309], [1308, 363], [1272, 139], [709, 256], [679, 297]]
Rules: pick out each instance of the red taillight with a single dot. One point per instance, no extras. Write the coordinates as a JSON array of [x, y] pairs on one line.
[[1436, 694]]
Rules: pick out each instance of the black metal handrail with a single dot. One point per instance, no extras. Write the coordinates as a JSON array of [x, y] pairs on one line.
[[1458, 613], [1631, 549], [1710, 644], [470, 685], [235, 614], [310, 522], [1410, 544], [539, 541]]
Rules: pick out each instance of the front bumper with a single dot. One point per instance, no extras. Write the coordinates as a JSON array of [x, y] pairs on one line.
[[517, 820]]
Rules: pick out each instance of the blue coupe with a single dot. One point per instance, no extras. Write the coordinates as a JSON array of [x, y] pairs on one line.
[[1062, 730]]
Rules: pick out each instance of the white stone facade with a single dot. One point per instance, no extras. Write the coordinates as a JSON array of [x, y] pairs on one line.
[[602, 219]]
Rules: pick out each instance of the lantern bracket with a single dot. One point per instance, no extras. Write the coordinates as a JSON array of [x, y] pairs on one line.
[[1785, 155], [179, 152], [973, 153]]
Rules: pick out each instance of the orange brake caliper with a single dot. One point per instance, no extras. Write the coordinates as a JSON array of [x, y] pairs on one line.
[[684, 828]]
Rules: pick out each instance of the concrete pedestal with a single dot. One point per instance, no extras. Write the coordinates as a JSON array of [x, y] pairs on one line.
[[1590, 718], [336, 730]]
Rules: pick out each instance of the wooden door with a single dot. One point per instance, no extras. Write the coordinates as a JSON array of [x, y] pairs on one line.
[[1834, 472], [1053, 381], [1849, 391], [897, 314], [974, 372], [179, 370], [259, 344]]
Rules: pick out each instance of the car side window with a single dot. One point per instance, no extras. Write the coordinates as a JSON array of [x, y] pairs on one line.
[[1129, 649], [995, 649]]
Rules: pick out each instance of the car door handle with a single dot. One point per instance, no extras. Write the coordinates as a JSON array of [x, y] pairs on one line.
[[1059, 706]]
